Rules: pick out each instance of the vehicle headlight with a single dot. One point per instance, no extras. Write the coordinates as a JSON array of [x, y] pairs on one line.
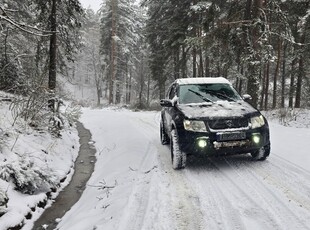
[[257, 121], [196, 126]]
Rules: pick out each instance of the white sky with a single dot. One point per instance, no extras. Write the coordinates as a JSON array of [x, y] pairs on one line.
[[94, 4]]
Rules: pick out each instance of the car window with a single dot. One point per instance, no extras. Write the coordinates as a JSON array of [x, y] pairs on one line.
[[199, 93]]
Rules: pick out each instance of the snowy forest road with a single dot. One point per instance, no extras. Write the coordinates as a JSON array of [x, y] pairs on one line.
[[134, 186]]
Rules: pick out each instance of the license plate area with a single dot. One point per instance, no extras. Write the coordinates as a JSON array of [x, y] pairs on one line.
[[231, 136]]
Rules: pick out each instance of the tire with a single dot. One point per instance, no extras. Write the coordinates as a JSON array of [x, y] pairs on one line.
[[164, 138], [177, 156], [262, 153]]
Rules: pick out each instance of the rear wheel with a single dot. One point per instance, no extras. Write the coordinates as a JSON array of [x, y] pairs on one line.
[[262, 153], [164, 139], [177, 156]]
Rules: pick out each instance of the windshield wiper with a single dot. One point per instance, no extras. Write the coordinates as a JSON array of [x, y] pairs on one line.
[[221, 95], [200, 95], [226, 97]]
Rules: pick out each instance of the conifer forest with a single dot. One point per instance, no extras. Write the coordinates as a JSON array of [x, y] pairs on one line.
[[129, 52]]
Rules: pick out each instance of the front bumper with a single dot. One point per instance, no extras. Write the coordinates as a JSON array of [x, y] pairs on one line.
[[212, 144]]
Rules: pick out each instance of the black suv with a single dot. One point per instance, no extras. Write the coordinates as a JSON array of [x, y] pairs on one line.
[[207, 116]]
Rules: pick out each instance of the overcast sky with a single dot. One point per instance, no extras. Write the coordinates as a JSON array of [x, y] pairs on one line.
[[94, 4]]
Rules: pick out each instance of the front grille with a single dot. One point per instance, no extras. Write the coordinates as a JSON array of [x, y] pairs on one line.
[[229, 123]]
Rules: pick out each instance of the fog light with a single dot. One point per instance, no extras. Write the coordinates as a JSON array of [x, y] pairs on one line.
[[256, 139], [202, 143]]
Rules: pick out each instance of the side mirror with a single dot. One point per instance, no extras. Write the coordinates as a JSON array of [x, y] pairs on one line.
[[166, 103], [246, 97]]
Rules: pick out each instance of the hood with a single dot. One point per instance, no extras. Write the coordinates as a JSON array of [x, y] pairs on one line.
[[220, 109]]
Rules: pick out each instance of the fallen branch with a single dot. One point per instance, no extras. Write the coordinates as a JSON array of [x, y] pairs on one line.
[[154, 167], [104, 185]]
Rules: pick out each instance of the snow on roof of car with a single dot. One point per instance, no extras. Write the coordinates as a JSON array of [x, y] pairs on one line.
[[202, 80]]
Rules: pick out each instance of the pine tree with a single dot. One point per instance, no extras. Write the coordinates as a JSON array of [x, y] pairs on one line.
[[90, 54], [16, 29], [157, 32], [63, 19], [120, 35]]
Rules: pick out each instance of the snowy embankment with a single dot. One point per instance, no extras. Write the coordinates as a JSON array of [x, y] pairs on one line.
[[134, 186], [35, 161]]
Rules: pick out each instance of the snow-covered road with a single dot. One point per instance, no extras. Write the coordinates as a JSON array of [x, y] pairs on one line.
[[134, 186]]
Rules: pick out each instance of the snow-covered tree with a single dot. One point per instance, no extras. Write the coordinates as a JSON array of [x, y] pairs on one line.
[[63, 19], [16, 29], [121, 25], [251, 42], [91, 67]]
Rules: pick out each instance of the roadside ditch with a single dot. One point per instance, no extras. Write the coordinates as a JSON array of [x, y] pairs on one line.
[[83, 168]]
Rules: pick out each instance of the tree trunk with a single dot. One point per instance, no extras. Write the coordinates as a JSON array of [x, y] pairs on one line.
[[113, 54], [184, 54], [283, 77], [126, 82], [53, 49], [276, 74], [38, 56], [299, 83], [200, 73], [177, 64], [240, 80], [148, 90], [194, 62], [263, 92], [207, 73], [251, 39], [301, 73], [130, 85], [253, 83], [97, 78], [237, 78], [292, 83], [267, 86], [141, 83]]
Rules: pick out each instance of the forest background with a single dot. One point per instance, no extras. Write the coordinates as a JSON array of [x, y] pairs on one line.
[[128, 52]]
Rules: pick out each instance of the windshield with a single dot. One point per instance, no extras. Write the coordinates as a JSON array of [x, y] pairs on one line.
[[199, 93]]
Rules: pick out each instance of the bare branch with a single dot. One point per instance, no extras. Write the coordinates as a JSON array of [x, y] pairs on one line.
[[237, 22], [24, 27]]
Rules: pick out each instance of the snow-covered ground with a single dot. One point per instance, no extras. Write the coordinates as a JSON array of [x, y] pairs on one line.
[[134, 186], [28, 155]]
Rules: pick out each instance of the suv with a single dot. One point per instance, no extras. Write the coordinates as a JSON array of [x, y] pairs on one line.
[[207, 116]]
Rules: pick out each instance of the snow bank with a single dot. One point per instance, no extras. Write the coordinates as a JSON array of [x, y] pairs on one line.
[[30, 156]]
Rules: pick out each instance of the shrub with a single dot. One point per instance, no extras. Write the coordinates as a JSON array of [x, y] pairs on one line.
[[27, 177], [3, 202]]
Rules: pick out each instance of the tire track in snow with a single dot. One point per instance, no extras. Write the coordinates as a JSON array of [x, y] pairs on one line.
[[290, 181], [220, 195], [186, 204], [180, 201], [232, 194], [266, 197], [235, 200], [138, 201], [140, 194]]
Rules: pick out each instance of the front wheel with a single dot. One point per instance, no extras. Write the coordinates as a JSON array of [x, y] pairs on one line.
[[261, 154], [178, 157]]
